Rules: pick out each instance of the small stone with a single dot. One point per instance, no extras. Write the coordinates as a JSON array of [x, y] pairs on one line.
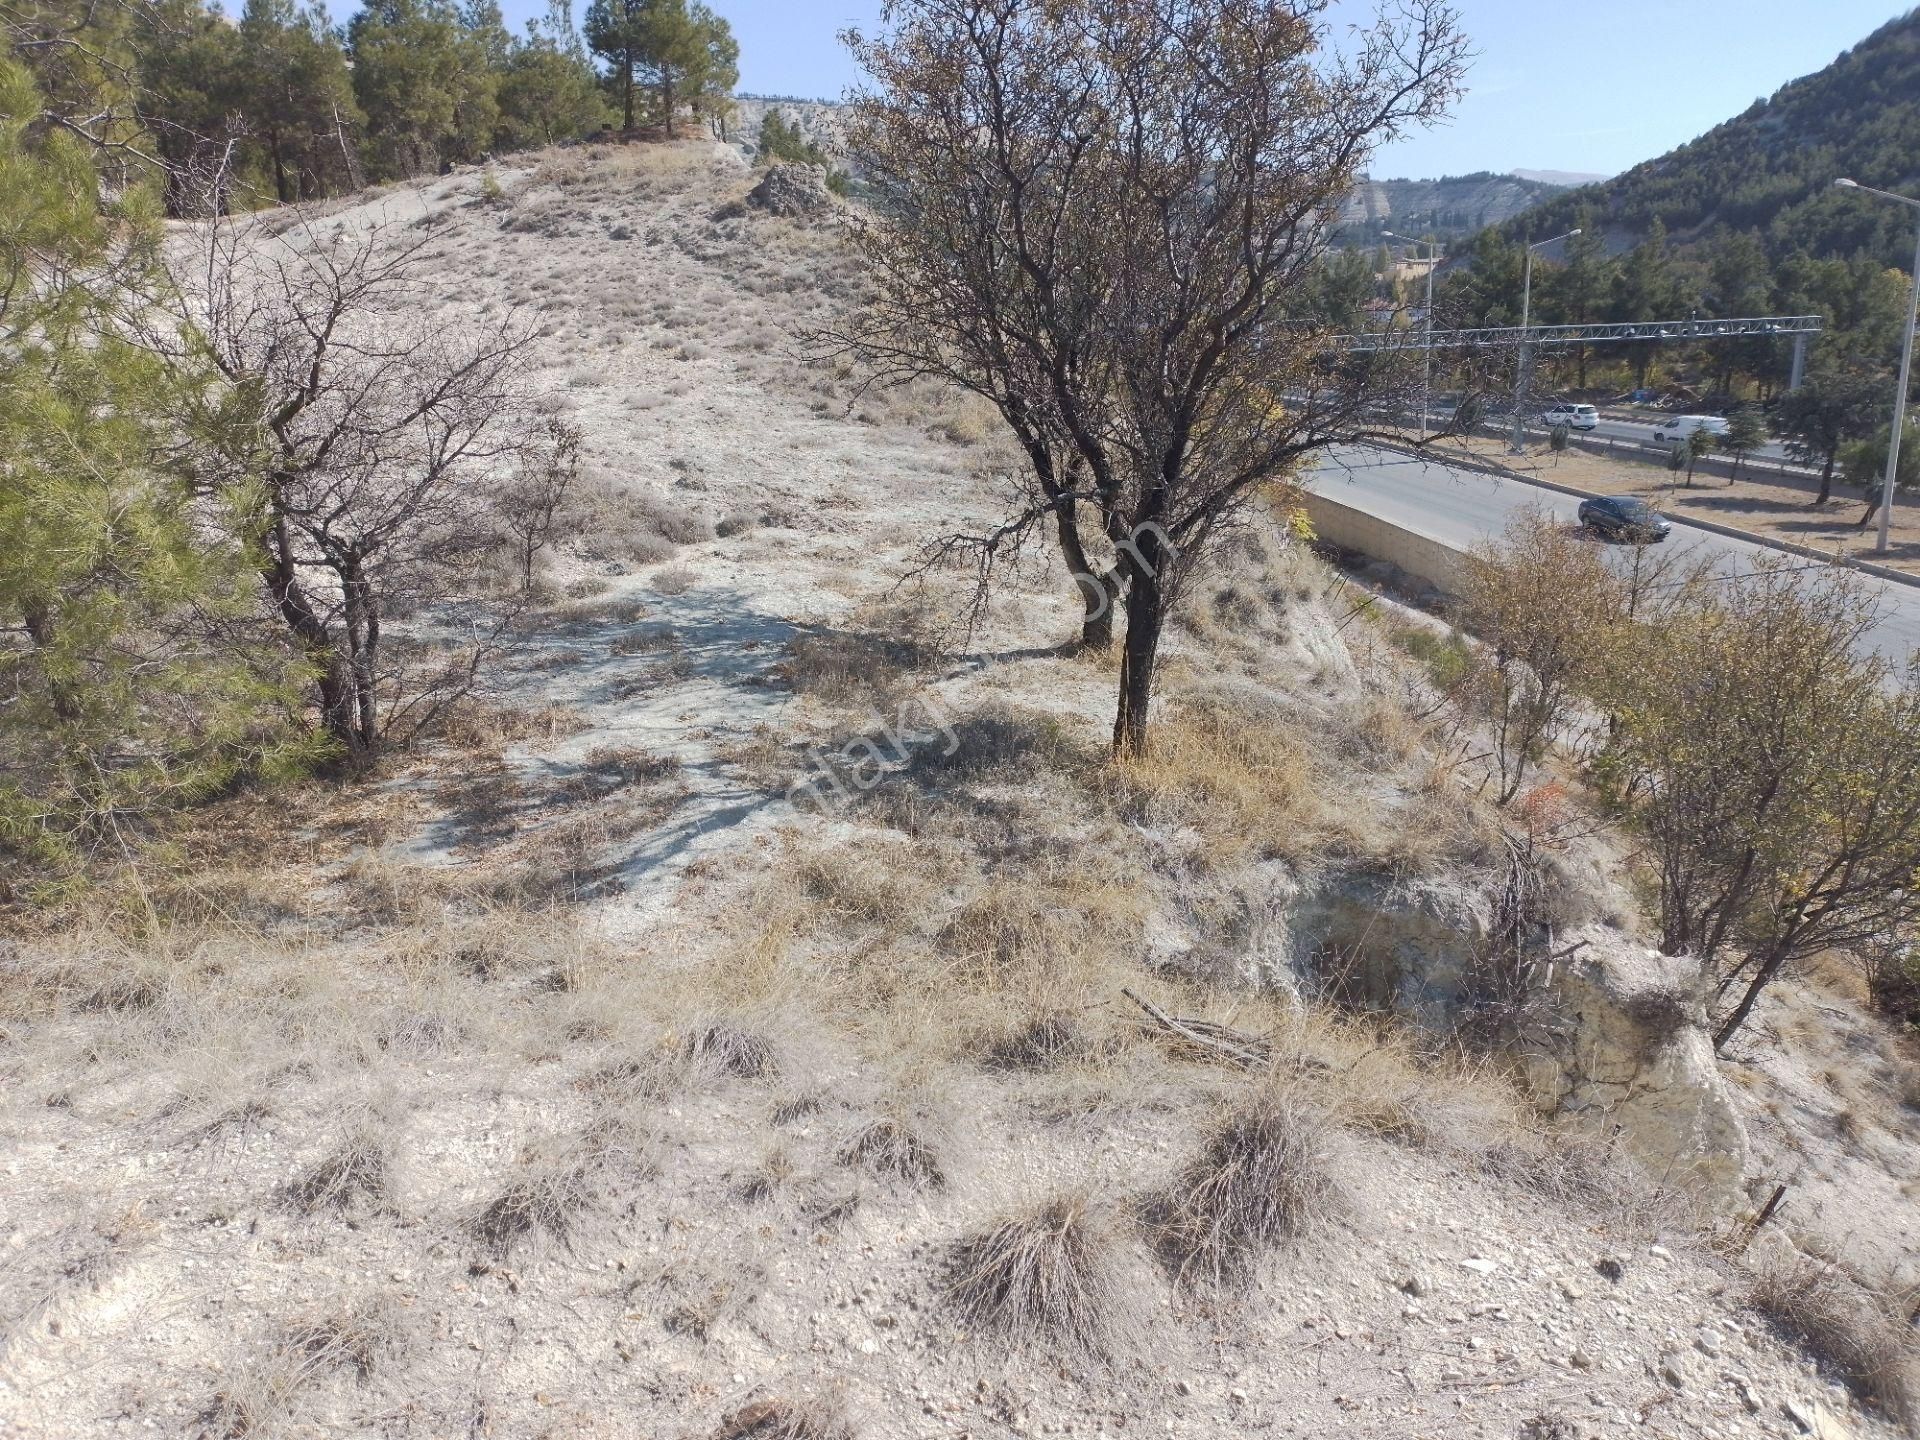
[[1611, 1267], [1183, 1387], [1418, 1284], [1750, 1398], [1707, 1342], [1659, 1252], [1480, 1266], [1238, 1396], [1673, 1374], [1581, 1360]]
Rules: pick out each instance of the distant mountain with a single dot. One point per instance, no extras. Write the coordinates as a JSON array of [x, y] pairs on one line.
[[1771, 170], [1561, 177], [1451, 206]]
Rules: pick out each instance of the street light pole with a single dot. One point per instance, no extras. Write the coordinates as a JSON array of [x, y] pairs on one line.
[[1518, 444], [1906, 371], [1426, 380]]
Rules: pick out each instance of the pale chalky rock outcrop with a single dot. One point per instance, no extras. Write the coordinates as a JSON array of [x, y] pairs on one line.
[[793, 191], [1626, 1048]]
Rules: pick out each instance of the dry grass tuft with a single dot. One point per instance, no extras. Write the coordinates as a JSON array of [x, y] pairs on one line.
[[546, 1203], [259, 1399], [359, 1173], [1252, 787], [773, 1174], [675, 579], [359, 1339], [891, 1149], [819, 1417], [1042, 1042], [726, 1049], [1262, 1178], [1049, 1276], [1857, 1337]]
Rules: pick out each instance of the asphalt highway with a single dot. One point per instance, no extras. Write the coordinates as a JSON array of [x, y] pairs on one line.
[[1643, 433], [1460, 508]]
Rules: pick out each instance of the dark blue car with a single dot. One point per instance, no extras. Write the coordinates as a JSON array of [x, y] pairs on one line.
[[1621, 517]]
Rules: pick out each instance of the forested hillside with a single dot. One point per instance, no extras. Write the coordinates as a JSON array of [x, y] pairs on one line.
[[1451, 205], [1771, 170], [278, 103], [1743, 221]]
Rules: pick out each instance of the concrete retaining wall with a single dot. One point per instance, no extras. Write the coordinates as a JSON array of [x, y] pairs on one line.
[[1350, 529]]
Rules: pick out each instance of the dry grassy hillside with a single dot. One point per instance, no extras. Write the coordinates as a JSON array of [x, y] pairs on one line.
[[726, 1031]]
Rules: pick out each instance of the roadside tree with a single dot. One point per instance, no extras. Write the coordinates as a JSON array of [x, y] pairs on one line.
[[1776, 761], [1746, 433], [1838, 403], [1698, 446], [1547, 612], [1096, 217]]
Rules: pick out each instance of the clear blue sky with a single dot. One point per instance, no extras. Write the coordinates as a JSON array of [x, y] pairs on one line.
[[1556, 86]]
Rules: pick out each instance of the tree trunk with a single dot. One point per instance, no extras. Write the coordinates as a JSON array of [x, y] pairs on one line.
[[1146, 614], [1762, 978], [280, 185], [1826, 475], [362, 616], [666, 103], [332, 678], [1097, 592], [40, 629], [626, 95]]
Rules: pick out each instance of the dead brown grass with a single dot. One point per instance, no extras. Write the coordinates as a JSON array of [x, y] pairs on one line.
[[1862, 1339], [897, 1148], [1252, 787], [1262, 1177], [1052, 1276]]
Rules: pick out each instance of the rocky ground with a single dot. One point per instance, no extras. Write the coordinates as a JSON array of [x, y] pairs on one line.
[[609, 1072]]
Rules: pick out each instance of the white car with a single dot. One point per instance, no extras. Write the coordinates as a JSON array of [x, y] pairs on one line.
[[1574, 417], [1681, 427]]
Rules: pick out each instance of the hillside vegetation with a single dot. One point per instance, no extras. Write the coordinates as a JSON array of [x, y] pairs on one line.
[[642, 798], [603, 1071], [1770, 170]]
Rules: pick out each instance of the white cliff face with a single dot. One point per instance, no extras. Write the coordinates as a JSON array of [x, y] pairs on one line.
[[1626, 1049]]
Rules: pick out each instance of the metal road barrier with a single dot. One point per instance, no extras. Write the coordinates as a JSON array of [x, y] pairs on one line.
[[1420, 339]]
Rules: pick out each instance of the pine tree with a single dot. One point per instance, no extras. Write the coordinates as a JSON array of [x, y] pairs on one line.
[[1838, 402], [549, 91], [1583, 285], [1647, 288], [298, 97], [712, 92], [1739, 285], [124, 694], [421, 76], [617, 33]]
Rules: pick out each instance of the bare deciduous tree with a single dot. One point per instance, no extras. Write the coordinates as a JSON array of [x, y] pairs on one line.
[[1549, 613], [380, 445], [1779, 760], [1101, 216]]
